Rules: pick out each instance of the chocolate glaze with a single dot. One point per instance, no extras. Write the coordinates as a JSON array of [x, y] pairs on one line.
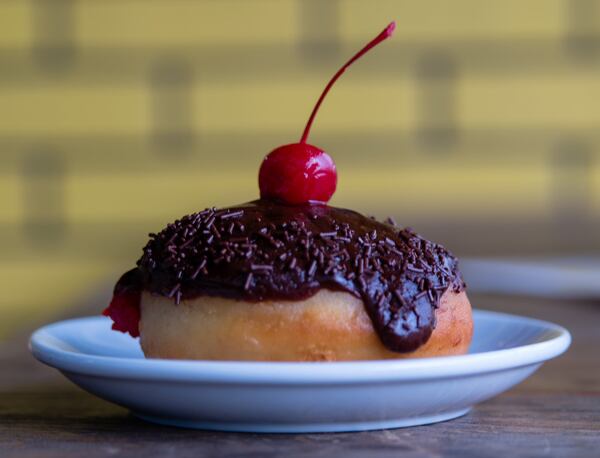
[[267, 250]]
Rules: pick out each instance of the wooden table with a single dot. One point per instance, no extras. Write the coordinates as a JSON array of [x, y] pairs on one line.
[[554, 413]]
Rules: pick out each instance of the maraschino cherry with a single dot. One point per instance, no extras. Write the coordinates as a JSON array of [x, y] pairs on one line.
[[299, 172]]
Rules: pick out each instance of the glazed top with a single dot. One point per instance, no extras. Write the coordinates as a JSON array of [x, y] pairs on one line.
[[266, 250]]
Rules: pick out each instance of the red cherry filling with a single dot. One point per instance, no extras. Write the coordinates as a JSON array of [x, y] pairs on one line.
[[124, 309], [299, 172]]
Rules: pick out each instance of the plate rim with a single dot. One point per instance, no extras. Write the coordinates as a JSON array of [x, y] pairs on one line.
[[299, 373]]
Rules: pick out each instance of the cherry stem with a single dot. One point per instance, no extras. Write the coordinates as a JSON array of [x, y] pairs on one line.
[[387, 32]]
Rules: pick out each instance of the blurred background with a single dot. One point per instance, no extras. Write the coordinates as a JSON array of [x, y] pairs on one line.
[[477, 124]]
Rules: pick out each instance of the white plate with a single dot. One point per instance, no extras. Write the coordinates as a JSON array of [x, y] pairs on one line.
[[566, 277], [298, 397]]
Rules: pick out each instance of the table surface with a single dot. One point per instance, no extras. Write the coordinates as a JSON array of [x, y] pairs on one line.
[[556, 412]]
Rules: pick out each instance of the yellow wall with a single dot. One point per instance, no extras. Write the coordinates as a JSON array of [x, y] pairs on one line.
[[118, 116]]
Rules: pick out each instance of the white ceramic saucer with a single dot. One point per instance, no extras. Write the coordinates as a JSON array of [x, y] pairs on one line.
[[298, 397]]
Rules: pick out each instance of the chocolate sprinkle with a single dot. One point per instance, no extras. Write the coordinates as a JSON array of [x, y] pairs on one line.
[[283, 252]]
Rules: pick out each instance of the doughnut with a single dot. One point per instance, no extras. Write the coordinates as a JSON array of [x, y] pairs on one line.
[[269, 281], [288, 277]]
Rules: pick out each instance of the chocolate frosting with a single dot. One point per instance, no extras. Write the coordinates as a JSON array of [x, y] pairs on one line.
[[267, 250]]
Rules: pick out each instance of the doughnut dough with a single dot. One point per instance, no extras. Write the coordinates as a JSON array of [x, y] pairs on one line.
[[328, 326]]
